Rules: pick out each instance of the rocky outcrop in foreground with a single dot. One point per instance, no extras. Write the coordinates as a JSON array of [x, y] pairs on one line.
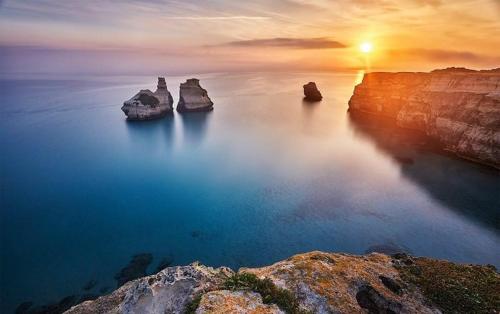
[[192, 97], [314, 282], [146, 105], [458, 108], [311, 92]]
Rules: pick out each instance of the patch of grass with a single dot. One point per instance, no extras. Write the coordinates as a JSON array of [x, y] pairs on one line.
[[455, 288], [284, 299], [192, 306]]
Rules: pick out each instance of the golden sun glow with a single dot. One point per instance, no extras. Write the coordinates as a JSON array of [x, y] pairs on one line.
[[366, 47]]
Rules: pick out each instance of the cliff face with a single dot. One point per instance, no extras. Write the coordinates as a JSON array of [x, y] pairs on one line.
[[192, 97], [459, 109], [314, 282]]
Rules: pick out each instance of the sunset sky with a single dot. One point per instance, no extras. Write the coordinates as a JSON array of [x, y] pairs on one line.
[[192, 36]]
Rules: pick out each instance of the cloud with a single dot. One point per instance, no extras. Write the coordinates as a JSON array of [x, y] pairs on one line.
[[434, 3], [437, 55], [297, 43], [216, 18]]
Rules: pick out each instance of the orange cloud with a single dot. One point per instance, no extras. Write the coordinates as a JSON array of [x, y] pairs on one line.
[[299, 43]]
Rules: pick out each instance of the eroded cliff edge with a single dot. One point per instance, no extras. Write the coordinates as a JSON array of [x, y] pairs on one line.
[[314, 282], [458, 108]]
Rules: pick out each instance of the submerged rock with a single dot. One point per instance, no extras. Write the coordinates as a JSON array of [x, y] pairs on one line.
[[386, 248], [457, 108], [146, 105], [192, 97], [311, 92], [164, 263], [23, 307], [89, 285], [136, 268]]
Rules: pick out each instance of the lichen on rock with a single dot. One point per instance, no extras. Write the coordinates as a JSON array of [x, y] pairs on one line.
[[314, 282], [237, 302]]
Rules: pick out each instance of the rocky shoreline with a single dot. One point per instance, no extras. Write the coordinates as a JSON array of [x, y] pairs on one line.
[[458, 108], [314, 282]]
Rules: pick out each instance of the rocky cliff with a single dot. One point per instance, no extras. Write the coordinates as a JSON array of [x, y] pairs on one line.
[[314, 282], [458, 108], [192, 97], [146, 105]]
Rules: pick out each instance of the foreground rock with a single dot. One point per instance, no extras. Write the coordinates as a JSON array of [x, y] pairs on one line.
[[314, 282], [146, 105], [168, 291], [193, 98], [311, 92], [458, 108]]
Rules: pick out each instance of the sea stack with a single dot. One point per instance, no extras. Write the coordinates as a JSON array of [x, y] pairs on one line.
[[311, 92], [458, 108], [146, 105], [193, 98]]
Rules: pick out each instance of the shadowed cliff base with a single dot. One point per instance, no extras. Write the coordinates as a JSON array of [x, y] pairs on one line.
[[456, 183]]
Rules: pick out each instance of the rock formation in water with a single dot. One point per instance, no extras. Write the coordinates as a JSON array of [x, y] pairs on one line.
[[192, 97], [311, 92], [146, 105], [456, 107], [314, 282]]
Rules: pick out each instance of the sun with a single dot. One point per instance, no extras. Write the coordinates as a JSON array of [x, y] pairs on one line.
[[366, 47]]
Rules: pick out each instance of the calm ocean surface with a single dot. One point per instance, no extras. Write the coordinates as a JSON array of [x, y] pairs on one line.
[[260, 178]]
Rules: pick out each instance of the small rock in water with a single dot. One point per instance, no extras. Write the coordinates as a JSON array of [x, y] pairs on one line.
[[311, 92], [103, 290], [136, 268], [89, 285], [23, 307], [192, 97], [55, 308], [195, 234]]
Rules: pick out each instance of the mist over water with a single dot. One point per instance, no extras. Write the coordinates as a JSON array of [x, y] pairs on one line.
[[262, 177]]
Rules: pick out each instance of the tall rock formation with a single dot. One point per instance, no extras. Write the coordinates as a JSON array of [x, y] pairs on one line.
[[146, 105], [192, 97], [311, 92], [459, 108]]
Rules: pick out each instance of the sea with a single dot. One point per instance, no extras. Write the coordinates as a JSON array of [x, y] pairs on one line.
[[263, 176]]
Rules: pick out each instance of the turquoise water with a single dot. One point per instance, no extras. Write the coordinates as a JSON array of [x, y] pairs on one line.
[[262, 177]]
